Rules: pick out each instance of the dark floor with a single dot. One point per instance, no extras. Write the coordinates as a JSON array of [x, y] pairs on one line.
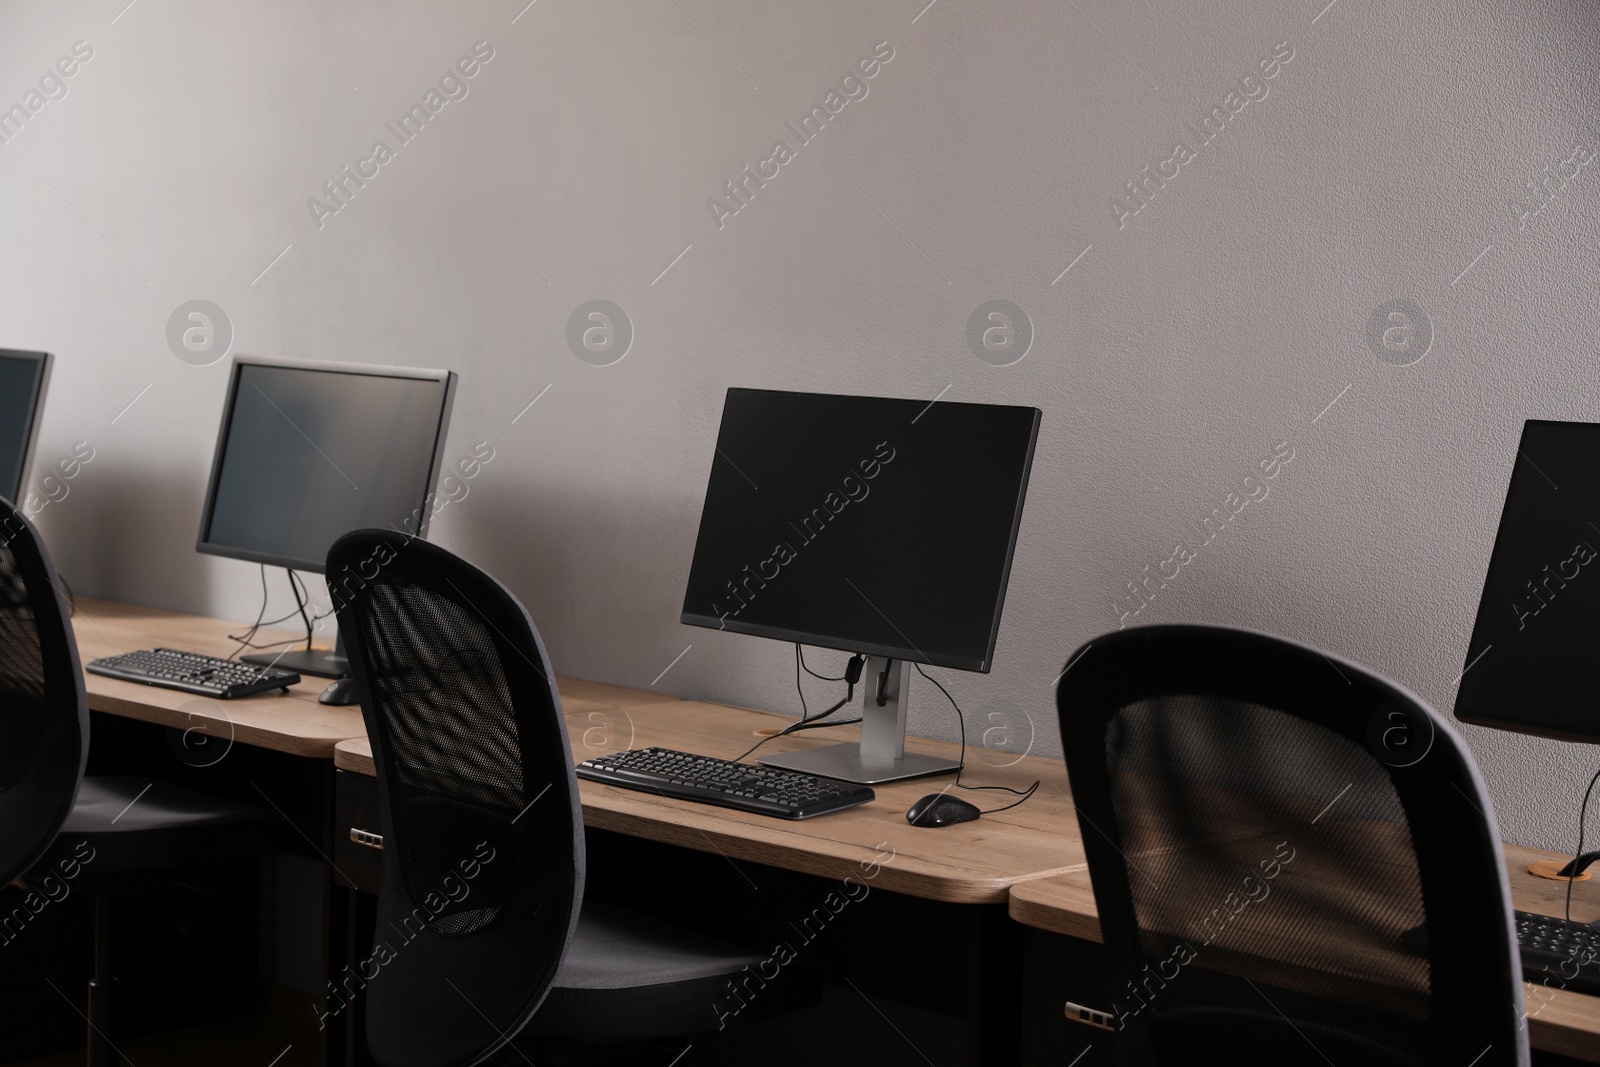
[[282, 1036], [846, 1028]]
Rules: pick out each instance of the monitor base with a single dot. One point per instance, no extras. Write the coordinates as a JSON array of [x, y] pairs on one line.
[[846, 763], [320, 662]]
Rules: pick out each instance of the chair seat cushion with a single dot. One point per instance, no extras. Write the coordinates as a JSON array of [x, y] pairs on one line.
[[120, 826], [628, 976]]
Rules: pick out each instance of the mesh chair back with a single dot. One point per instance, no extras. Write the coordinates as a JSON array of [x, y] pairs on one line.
[[483, 835], [44, 712], [1267, 829]]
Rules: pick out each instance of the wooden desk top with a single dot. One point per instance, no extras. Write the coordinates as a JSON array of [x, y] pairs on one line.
[[970, 863], [291, 722], [1561, 1021]]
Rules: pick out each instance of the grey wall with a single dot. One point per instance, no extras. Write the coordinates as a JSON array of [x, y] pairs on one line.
[[1224, 318]]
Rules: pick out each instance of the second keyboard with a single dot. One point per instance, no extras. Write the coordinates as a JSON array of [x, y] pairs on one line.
[[745, 787], [1559, 953], [193, 672]]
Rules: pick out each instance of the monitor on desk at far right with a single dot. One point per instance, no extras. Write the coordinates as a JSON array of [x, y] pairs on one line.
[[23, 377], [1530, 664]]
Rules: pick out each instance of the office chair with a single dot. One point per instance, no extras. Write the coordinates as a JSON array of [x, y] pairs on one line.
[[481, 929], [62, 832], [1294, 860]]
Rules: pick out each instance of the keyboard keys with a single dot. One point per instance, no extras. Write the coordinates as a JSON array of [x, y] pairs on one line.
[[763, 790], [1559, 953], [193, 672]]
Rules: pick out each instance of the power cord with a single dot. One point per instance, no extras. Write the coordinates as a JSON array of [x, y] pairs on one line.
[[244, 639], [852, 675], [302, 599], [800, 661], [1583, 812], [961, 767], [800, 654]]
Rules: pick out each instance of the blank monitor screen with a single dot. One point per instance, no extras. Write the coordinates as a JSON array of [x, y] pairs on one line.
[[862, 523], [22, 380], [309, 452], [1530, 665]]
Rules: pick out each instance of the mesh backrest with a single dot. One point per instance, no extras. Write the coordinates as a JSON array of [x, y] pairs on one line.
[[1269, 834], [22, 705], [483, 847], [44, 715], [450, 735]]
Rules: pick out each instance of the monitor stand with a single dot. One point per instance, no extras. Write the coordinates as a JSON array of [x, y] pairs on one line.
[[318, 662], [880, 756]]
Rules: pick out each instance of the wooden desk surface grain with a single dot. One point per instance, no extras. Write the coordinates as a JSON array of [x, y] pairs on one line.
[[970, 863], [291, 722], [1560, 1020]]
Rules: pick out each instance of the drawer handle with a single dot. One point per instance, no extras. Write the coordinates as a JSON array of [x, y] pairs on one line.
[[366, 837], [1089, 1016]]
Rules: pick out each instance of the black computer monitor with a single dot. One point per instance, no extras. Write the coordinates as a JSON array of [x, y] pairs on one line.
[[871, 525], [310, 451], [1530, 664], [23, 378]]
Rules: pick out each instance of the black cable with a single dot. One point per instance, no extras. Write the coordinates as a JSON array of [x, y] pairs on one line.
[[852, 674], [801, 652], [1583, 812], [753, 747], [1025, 794], [804, 724], [263, 644], [244, 639], [302, 597], [961, 767], [797, 727], [271, 622], [799, 661]]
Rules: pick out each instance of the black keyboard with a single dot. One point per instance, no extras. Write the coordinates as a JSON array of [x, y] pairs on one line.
[[742, 786], [1559, 953], [1556, 952], [193, 673]]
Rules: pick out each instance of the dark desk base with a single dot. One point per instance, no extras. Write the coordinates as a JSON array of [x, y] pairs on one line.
[[181, 953], [299, 789], [1060, 969]]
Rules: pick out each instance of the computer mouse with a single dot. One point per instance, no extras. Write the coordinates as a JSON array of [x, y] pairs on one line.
[[342, 692], [941, 809]]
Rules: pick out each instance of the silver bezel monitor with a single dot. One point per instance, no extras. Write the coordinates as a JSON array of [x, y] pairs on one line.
[[446, 379]]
